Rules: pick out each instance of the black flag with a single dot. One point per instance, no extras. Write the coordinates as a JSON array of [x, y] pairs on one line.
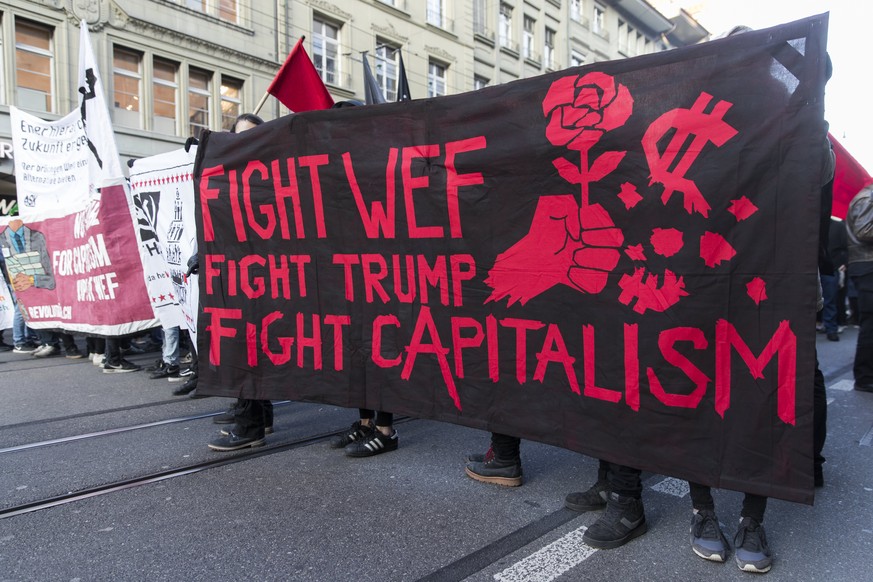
[[403, 93], [372, 91]]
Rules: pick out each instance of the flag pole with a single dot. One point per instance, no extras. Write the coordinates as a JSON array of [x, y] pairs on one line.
[[267, 93], [261, 104]]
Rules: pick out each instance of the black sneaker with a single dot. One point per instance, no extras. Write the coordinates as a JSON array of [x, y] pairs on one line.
[[707, 539], [481, 457], [228, 417], [229, 431], [120, 367], [497, 471], [752, 550], [156, 365], [165, 371], [25, 348], [73, 354], [376, 444], [354, 433], [592, 500], [233, 442], [622, 521], [187, 387], [4, 347]]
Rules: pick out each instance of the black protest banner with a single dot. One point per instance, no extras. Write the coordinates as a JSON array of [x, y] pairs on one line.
[[619, 259]]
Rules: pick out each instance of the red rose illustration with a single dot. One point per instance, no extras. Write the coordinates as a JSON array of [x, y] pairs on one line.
[[581, 109]]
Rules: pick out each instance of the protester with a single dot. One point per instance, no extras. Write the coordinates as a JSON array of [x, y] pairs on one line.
[[624, 518], [839, 254], [252, 418], [113, 362], [50, 345], [500, 465], [168, 367], [859, 228], [372, 435]]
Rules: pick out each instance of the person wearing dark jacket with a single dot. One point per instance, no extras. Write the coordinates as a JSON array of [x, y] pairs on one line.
[[859, 230]]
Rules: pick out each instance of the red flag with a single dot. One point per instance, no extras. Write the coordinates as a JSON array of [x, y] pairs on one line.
[[297, 84], [849, 178]]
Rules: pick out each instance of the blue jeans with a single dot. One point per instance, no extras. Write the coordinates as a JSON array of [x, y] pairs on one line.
[[170, 349], [21, 334], [830, 289]]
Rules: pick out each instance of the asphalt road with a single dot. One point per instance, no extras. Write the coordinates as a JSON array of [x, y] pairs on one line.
[[301, 511]]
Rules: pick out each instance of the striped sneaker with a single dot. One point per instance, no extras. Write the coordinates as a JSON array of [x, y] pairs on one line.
[[375, 444], [354, 433]]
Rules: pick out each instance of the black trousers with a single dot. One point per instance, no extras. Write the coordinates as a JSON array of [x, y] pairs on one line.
[[252, 417], [863, 367], [754, 506], [625, 480], [382, 418]]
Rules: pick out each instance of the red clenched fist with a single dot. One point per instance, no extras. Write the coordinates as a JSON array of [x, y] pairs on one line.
[[566, 244]]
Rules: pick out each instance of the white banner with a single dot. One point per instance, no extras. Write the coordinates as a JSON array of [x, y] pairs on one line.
[[163, 193], [51, 165], [73, 246], [95, 117]]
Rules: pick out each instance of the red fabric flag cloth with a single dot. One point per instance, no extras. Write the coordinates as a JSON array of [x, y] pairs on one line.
[[297, 84], [849, 178]]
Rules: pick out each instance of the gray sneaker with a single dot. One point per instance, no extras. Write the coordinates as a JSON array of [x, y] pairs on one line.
[[707, 539], [753, 552]]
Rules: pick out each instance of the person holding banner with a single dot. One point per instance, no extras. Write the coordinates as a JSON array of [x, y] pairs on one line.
[[252, 419], [372, 435]]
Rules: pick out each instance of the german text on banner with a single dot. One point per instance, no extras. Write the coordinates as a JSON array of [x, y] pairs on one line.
[[619, 259], [163, 193]]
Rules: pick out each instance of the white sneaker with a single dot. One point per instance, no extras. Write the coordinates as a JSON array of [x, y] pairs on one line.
[[99, 359], [46, 351]]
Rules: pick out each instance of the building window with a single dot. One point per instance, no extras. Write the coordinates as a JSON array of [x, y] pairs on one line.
[[165, 95], [33, 66], [577, 59], [435, 13], [505, 30], [325, 50], [436, 79], [224, 9], [479, 82], [231, 101], [228, 10], [528, 37], [598, 25], [576, 10], [549, 49], [387, 64], [198, 101], [127, 87], [480, 17]]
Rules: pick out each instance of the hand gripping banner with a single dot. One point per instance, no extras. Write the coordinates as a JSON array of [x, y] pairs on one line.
[[619, 259]]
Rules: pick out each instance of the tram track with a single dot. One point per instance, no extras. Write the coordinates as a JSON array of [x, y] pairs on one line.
[[157, 476]]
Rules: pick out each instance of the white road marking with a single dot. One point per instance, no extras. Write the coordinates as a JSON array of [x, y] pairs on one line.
[[843, 386], [551, 561], [867, 438], [671, 486]]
